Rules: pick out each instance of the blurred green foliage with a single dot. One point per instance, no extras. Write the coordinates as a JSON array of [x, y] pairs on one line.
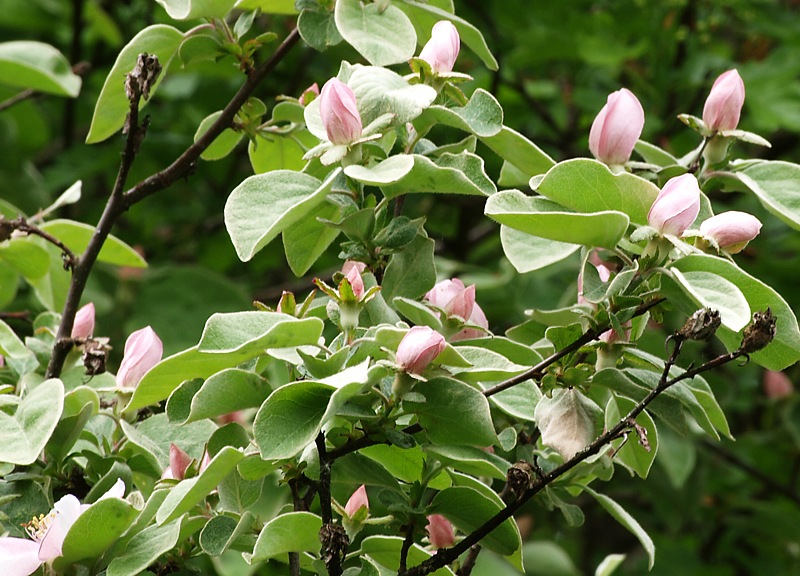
[[725, 513]]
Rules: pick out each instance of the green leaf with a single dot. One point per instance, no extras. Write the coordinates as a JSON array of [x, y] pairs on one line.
[[97, 529], [222, 531], [112, 106], [31, 426], [707, 290], [26, 257], [470, 460], [411, 272], [354, 469], [587, 185], [482, 115], [192, 9], [385, 550], [528, 253], [655, 155], [290, 419], [520, 152], [632, 453], [153, 436], [380, 91], [279, 152], [318, 29], [468, 509], [777, 186], [144, 548], [187, 493], [383, 37], [518, 401], [222, 144], [308, 239], [224, 392], [37, 66], [486, 365], [291, 532], [269, 6], [417, 313], [609, 564], [546, 219], [785, 348], [293, 415], [265, 205], [425, 14], [409, 173], [77, 235], [453, 413], [202, 47], [9, 283], [228, 340], [628, 521]]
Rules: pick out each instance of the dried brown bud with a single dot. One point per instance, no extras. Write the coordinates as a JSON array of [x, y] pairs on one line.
[[759, 333], [95, 354], [701, 325], [334, 543], [520, 477], [7, 228], [142, 78]]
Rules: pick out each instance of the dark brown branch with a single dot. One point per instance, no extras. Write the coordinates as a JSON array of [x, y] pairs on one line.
[[445, 556], [23, 226], [119, 202], [408, 542], [469, 561], [537, 372], [332, 536]]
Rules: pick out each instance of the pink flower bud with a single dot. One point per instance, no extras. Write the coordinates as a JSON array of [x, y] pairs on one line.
[[777, 385], [84, 322], [143, 350], [442, 49], [731, 230], [479, 319], [418, 348], [724, 103], [337, 107], [676, 205], [352, 271], [440, 531], [616, 128], [178, 463], [453, 297], [357, 501]]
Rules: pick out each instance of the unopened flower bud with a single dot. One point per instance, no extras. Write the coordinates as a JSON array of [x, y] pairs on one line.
[[418, 348], [777, 385], [357, 501], [178, 463], [616, 128], [143, 350], [453, 297], [83, 326], [440, 531], [731, 231], [724, 103], [442, 49], [676, 206], [352, 271], [340, 116], [701, 325], [759, 333]]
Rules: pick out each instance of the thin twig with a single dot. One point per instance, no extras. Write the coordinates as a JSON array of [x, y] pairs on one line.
[[17, 98], [119, 203], [469, 561], [537, 372], [23, 226]]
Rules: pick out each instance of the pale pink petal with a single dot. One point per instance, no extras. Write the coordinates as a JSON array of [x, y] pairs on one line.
[[18, 556], [67, 511]]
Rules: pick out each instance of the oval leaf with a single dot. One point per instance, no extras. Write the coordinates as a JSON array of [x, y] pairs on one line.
[[545, 219], [265, 205], [383, 37], [37, 66], [34, 421], [77, 235], [112, 106]]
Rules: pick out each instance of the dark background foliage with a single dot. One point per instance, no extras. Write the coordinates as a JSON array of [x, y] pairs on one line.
[[718, 509]]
